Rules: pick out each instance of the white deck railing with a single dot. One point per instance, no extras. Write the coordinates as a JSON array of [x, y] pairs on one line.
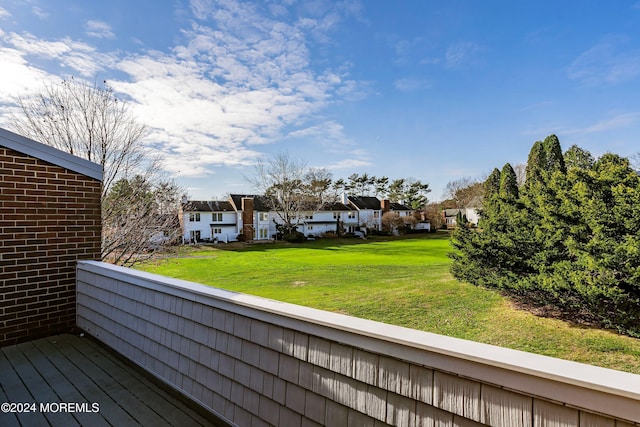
[[255, 361]]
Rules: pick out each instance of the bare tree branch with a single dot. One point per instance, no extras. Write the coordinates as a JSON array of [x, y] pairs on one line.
[[90, 122]]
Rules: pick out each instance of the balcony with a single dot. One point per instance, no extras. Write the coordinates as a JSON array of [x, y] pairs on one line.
[[101, 387], [256, 362], [160, 351]]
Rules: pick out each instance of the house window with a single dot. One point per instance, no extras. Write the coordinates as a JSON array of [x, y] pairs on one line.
[[264, 216], [216, 217], [194, 217], [264, 233], [351, 215], [217, 230], [308, 216], [376, 214], [310, 227], [336, 215]]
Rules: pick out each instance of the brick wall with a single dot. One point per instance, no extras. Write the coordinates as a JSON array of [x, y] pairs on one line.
[[49, 219], [247, 218]]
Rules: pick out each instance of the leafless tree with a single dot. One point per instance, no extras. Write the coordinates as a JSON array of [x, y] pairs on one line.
[[317, 183], [521, 173], [462, 191], [433, 214], [89, 121], [392, 222], [281, 180], [635, 161], [143, 216]]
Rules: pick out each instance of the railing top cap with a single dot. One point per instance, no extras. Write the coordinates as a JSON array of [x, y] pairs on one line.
[[382, 334]]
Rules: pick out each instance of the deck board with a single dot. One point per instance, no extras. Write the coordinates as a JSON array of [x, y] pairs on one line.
[[23, 358], [67, 368], [64, 387], [142, 389], [16, 388]]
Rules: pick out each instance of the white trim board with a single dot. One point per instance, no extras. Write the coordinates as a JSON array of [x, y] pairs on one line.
[[49, 154]]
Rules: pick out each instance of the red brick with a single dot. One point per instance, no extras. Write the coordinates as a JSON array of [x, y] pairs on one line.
[[49, 219]]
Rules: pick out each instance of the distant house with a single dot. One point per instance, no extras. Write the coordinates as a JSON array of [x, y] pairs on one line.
[[329, 219], [208, 221], [250, 217], [423, 221], [402, 210], [167, 234], [471, 211], [255, 220], [368, 213]]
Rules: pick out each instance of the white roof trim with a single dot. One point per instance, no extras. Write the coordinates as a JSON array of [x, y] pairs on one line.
[[49, 154]]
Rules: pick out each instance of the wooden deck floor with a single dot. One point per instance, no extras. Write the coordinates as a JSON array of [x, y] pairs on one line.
[[71, 369]]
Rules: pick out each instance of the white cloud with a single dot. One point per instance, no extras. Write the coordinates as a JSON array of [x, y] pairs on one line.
[[40, 13], [327, 130], [99, 29], [463, 54], [18, 77], [4, 13], [349, 164], [82, 58], [241, 80], [606, 63], [411, 84], [538, 105], [608, 124]]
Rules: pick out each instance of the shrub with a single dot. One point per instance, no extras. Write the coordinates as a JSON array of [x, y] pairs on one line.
[[294, 237]]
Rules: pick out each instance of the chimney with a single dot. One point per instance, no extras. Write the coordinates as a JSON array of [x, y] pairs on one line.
[[247, 218], [385, 205], [345, 199]]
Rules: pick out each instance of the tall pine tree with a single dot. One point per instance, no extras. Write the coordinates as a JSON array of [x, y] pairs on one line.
[[569, 237]]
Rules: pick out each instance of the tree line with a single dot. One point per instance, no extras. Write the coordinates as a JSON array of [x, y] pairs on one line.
[[568, 237]]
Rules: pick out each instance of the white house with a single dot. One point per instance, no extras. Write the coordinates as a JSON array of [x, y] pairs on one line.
[[471, 211], [249, 217], [332, 218], [368, 210], [208, 221], [254, 220]]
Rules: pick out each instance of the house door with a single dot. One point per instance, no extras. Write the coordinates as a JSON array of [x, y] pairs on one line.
[[194, 235]]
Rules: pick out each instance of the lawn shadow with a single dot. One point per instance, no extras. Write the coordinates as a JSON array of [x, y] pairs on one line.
[[330, 244]]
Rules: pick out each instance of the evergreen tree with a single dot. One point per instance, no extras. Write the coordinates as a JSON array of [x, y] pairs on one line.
[[492, 184], [604, 272], [576, 157], [508, 183], [492, 257], [569, 238], [535, 164], [553, 159]]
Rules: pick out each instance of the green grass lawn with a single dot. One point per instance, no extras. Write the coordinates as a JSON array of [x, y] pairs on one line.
[[403, 281]]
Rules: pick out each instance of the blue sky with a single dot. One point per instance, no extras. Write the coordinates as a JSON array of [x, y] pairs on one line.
[[434, 90]]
